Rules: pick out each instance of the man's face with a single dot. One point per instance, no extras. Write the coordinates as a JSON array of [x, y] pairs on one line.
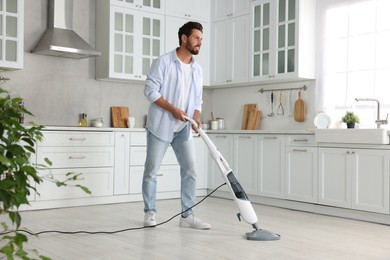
[[194, 42]]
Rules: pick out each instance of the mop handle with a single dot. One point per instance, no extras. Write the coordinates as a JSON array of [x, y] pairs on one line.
[[217, 156]]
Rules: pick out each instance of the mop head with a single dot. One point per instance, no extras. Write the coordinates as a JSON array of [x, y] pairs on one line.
[[262, 235]]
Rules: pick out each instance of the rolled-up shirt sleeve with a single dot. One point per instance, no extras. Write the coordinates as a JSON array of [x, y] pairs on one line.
[[153, 82]]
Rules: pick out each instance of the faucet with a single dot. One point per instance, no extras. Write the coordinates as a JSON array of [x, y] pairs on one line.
[[378, 121]]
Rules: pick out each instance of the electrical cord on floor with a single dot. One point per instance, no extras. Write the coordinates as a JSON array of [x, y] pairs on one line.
[[107, 232]]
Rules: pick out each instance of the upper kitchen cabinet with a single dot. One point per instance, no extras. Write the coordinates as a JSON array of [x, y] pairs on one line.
[[282, 40], [199, 11], [225, 9], [129, 40], [11, 34], [172, 25], [154, 6], [229, 59]]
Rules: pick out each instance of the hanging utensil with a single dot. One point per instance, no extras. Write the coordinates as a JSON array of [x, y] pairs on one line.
[[299, 109], [272, 104], [280, 108]]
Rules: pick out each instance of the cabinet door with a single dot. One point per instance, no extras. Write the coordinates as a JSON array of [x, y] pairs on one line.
[[271, 166], [122, 163], [262, 38], [230, 49], [224, 144], [370, 180], [334, 177], [154, 6], [172, 42], [245, 162], [301, 174], [225, 9], [11, 34], [202, 154], [136, 40], [188, 10]]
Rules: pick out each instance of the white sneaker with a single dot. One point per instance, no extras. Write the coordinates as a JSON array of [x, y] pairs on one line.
[[193, 222], [150, 219]]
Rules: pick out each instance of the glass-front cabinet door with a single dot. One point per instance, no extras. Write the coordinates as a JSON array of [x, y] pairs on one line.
[[11, 34], [279, 33], [137, 42], [154, 6], [286, 36]]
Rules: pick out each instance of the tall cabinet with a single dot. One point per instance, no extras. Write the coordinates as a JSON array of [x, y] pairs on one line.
[[11, 34], [230, 48], [282, 40], [130, 36]]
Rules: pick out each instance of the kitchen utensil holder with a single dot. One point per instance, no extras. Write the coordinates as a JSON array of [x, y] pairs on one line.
[[281, 89]]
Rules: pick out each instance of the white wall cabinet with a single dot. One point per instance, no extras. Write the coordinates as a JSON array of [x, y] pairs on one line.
[[245, 161], [154, 6], [129, 40], [282, 40], [11, 34], [172, 25], [187, 9], [301, 168], [271, 158], [354, 178], [230, 48], [225, 9]]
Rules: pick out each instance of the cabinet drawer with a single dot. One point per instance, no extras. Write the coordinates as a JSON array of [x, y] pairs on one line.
[[97, 180], [301, 140], [69, 157], [73, 138], [138, 156], [138, 138], [168, 178]]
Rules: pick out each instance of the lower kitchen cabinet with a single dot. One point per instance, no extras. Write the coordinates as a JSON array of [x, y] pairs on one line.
[[301, 168], [122, 162], [224, 144], [88, 153], [354, 178], [271, 177], [245, 161]]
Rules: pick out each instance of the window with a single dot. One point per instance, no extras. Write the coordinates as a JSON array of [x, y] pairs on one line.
[[354, 61]]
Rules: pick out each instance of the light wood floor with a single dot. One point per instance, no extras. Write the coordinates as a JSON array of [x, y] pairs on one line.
[[303, 235]]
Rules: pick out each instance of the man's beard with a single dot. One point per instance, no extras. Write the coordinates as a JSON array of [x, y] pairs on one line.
[[192, 50]]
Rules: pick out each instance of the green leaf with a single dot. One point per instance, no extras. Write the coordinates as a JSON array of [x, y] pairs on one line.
[[85, 189]]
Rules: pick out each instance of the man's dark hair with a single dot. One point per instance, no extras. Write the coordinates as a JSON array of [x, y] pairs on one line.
[[187, 29]]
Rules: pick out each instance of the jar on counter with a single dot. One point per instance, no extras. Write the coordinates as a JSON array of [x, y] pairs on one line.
[[221, 123]]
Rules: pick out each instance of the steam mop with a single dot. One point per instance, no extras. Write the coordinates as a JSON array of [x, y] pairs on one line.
[[245, 207]]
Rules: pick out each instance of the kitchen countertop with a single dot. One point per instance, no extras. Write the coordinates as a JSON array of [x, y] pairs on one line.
[[226, 131]]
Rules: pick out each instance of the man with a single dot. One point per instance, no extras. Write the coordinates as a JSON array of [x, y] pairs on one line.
[[174, 89]]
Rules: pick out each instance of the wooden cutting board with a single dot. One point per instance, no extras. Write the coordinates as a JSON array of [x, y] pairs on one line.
[[119, 116], [299, 109], [254, 120], [248, 109]]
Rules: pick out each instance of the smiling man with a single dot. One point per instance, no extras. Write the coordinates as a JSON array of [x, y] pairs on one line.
[[174, 87]]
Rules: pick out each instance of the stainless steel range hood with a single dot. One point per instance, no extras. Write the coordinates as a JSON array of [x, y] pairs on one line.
[[60, 39]]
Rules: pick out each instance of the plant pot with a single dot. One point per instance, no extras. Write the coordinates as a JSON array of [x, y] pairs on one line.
[[351, 125]]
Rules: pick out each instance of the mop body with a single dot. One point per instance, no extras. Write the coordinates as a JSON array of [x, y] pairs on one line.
[[246, 211]]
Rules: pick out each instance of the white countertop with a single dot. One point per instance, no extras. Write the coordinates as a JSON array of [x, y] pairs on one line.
[[226, 131]]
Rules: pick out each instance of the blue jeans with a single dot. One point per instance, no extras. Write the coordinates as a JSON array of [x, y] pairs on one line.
[[185, 154]]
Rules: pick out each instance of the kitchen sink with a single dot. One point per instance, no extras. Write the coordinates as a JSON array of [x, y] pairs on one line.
[[352, 136]]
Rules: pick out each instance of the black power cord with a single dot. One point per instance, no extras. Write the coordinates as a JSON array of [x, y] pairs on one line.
[[107, 232]]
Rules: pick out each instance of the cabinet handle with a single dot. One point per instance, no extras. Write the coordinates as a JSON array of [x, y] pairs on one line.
[[300, 140], [270, 137], [299, 150], [76, 157], [244, 137], [220, 136], [160, 174], [77, 139]]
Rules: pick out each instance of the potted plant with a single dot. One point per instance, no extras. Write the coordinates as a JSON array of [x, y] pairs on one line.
[[350, 119], [18, 174]]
